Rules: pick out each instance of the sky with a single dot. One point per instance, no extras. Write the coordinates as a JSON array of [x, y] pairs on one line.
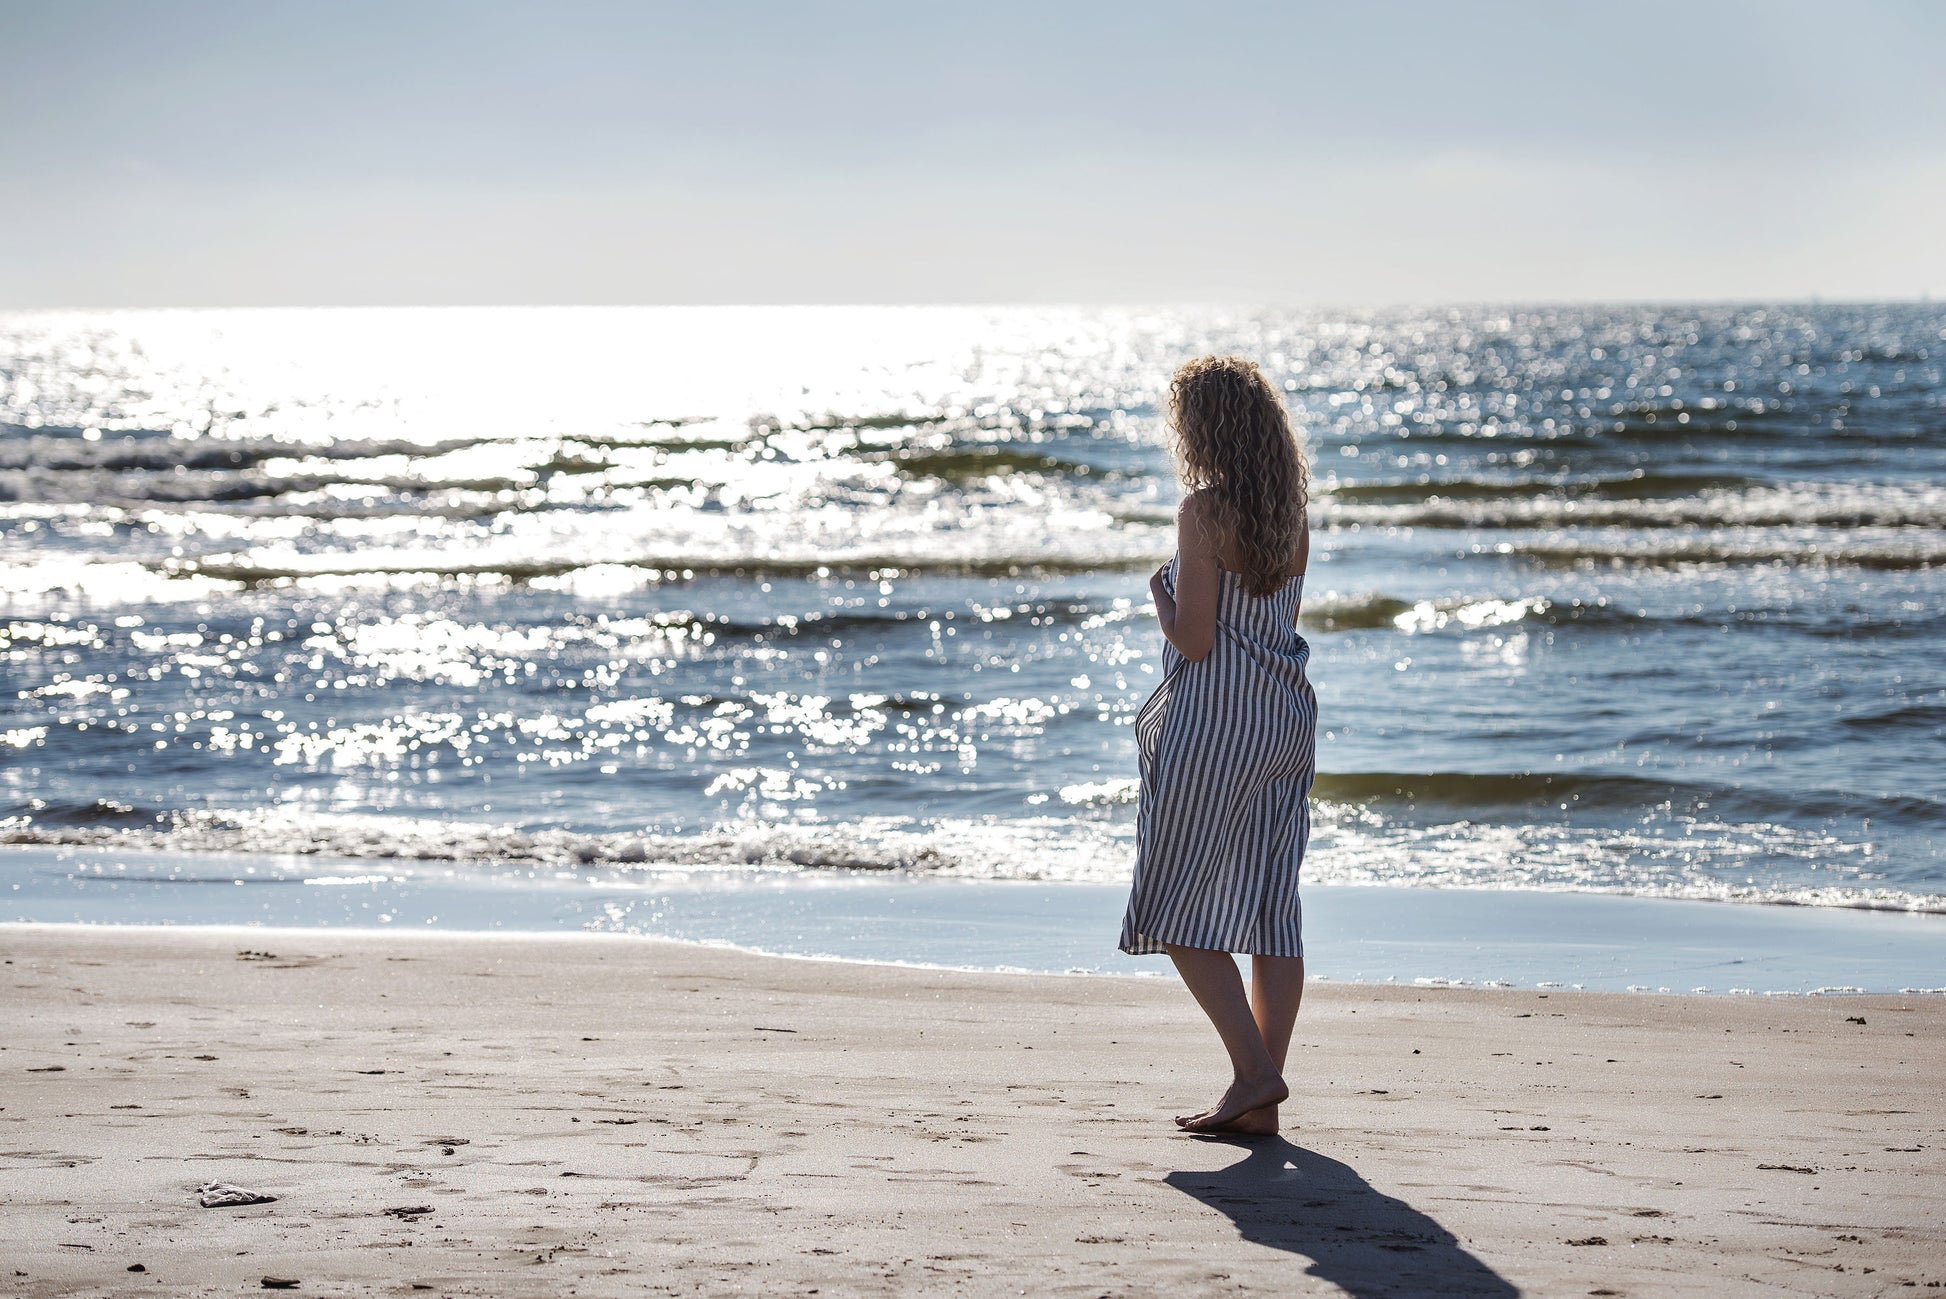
[[206, 153]]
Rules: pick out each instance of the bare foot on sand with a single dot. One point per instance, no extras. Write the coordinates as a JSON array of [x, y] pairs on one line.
[[1245, 1095], [1261, 1122]]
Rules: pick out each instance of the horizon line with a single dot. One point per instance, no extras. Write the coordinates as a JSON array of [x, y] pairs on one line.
[[1104, 304]]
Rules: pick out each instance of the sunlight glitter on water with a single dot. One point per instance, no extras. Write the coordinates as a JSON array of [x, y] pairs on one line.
[[1606, 598]]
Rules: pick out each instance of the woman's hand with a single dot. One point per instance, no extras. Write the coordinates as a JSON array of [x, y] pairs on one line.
[[1165, 604]]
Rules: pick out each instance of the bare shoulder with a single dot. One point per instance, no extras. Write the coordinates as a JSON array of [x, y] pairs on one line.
[[1301, 561], [1198, 507], [1199, 537], [1199, 520]]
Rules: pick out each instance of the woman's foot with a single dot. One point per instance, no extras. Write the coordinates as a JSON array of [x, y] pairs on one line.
[[1260, 1122], [1245, 1097]]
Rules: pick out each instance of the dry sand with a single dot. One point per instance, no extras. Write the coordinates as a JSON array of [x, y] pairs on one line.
[[588, 1116]]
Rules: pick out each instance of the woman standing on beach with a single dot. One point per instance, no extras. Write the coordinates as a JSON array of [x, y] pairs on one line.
[[1226, 741]]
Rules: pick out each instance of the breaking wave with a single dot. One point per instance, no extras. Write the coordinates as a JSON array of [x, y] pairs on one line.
[[195, 849], [1486, 797], [1633, 503]]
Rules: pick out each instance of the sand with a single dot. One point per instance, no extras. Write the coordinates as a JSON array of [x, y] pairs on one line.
[[594, 1116]]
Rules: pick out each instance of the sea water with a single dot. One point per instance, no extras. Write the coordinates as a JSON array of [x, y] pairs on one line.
[[1641, 600]]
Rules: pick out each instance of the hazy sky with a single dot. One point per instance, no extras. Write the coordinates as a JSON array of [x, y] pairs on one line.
[[184, 152]]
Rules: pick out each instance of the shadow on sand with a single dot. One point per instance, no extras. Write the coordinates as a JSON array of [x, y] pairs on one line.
[[1367, 1244]]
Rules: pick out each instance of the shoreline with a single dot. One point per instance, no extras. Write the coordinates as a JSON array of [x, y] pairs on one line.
[[462, 1113], [1156, 968], [621, 867], [1354, 934]]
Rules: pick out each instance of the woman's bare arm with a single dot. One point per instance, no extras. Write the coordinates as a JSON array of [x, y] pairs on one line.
[[1189, 619], [1303, 562]]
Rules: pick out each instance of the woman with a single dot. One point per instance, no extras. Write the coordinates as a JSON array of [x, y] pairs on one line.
[[1226, 740]]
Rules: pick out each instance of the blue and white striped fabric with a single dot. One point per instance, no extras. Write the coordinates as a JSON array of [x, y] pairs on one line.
[[1227, 751]]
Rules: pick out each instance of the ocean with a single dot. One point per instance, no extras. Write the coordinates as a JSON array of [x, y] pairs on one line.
[[1637, 600]]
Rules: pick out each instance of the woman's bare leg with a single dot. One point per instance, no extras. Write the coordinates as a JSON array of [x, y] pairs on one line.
[[1212, 978], [1276, 992]]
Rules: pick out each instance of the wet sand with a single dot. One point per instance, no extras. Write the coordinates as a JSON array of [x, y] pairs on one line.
[[540, 1115]]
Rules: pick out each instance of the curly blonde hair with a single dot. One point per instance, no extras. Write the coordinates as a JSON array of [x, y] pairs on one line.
[[1233, 440]]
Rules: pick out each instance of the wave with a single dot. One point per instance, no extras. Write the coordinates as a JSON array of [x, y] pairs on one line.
[[201, 472], [667, 568], [954, 552], [1475, 792], [1323, 613], [365, 837], [395, 476], [190, 848], [1641, 424], [963, 462], [1374, 611], [166, 453], [99, 812], [1654, 427], [12, 433], [1915, 717], [1378, 612], [133, 489], [1481, 795], [836, 423], [1634, 486], [1660, 425], [1892, 550], [222, 471], [1634, 503], [1050, 613]]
